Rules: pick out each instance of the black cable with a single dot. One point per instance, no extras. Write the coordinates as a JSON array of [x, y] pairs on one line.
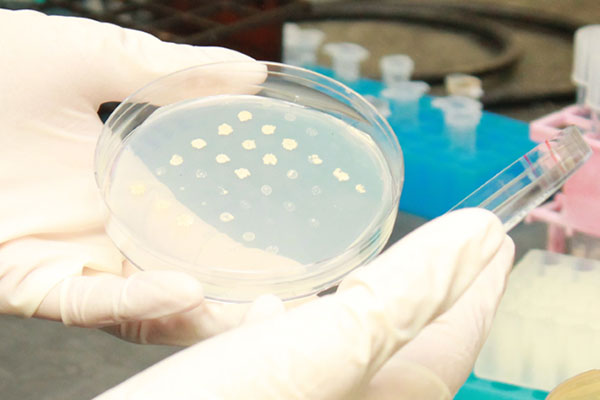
[[498, 38], [470, 18], [554, 23]]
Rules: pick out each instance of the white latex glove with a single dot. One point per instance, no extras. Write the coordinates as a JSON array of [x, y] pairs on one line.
[[407, 326], [55, 260]]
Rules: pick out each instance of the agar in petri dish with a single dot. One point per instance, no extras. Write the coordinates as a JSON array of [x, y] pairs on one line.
[[267, 208], [281, 177]]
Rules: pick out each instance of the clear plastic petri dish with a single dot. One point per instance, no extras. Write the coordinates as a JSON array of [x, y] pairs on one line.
[[253, 177], [532, 179]]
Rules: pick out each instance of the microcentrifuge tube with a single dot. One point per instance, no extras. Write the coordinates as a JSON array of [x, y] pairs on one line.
[[404, 98], [345, 59], [461, 116], [300, 45], [396, 68], [460, 112]]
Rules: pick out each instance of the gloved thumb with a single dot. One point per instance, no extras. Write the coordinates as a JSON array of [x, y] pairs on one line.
[[97, 62], [107, 299], [135, 58]]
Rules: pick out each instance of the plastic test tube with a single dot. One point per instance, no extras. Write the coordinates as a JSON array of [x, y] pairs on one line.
[[300, 45], [532, 179], [345, 59], [587, 42], [396, 68]]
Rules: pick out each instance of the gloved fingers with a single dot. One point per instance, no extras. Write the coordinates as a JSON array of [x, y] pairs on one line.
[[90, 63], [422, 275], [32, 266], [70, 203], [443, 353], [206, 320], [124, 60], [129, 269], [400, 379], [228, 75], [180, 329], [106, 299], [317, 350], [330, 348], [119, 61], [465, 325], [265, 307]]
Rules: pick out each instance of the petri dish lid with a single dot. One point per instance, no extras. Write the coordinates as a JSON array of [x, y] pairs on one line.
[[253, 177], [532, 179]]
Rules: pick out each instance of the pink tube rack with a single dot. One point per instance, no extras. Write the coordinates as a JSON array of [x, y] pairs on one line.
[[577, 207]]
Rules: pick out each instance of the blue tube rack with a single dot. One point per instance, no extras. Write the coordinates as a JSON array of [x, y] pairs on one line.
[[480, 389], [438, 172]]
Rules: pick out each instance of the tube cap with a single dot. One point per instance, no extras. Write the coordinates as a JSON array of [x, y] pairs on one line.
[[463, 85]]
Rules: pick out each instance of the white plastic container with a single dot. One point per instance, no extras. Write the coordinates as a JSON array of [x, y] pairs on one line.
[[547, 326]]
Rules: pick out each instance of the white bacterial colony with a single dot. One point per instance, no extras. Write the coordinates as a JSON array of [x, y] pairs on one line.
[[268, 129], [198, 143], [249, 144], [225, 130], [176, 160], [289, 144], [269, 159], [244, 116]]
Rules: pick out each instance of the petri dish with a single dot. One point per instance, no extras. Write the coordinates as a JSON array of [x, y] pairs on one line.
[[532, 179], [253, 177]]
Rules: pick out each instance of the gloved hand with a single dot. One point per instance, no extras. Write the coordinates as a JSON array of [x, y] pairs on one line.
[[55, 260], [439, 285], [407, 326]]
